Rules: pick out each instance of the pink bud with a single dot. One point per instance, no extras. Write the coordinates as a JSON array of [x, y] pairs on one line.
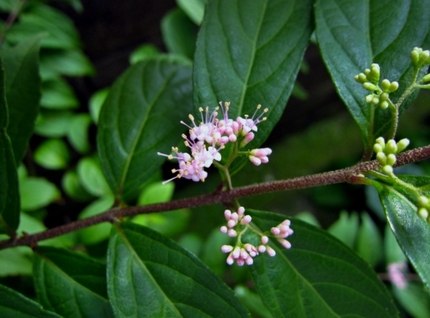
[[246, 219], [226, 248], [285, 243], [270, 251], [223, 229], [264, 239]]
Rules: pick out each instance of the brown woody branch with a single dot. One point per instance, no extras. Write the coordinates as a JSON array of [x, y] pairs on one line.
[[349, 175]]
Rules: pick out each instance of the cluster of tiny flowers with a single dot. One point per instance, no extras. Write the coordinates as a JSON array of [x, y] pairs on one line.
[[206, 139], [386, 152], [420, 57], [424, 207], [244, 253], [379, 94]]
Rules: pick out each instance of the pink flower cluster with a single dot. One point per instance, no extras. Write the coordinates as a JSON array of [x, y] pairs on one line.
[[237, 223], [206, 139]]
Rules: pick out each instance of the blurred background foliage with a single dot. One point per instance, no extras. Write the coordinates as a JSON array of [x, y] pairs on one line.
[[85, 46]]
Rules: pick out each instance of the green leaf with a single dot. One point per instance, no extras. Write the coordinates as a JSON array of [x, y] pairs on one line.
[[9, 194], [179, 33], [393, 252], [58, 28], [411, 231], [52, 154], [37, 193], [368, 236], [141, 116], [92, 178], [64, 62], [73, 187], [53, 124], [57, 94], [345, 229], [250, 54], [78, 133], [16, 261], [414, 299], [353, 34], [22, 89], [14, 304], [71, 284], [318, 277], [195, 9], [143, 52], [151, 276], [96, 103], [96, 233]]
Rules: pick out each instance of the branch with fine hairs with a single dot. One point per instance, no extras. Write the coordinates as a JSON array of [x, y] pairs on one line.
[[349, 175]]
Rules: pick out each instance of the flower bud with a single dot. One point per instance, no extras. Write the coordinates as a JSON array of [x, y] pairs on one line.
[[426, 78], [377, 148], [415, 55], [388, 169], [375, 100], [384, 96], [361, 78], [384, 105], [402, 144], [423, 201], [393, 86], [391, 146], [391, 159], [381, 141], [369, 98], [381, 157], [385, 85], [423, 213], [370, 87], [374, 73]]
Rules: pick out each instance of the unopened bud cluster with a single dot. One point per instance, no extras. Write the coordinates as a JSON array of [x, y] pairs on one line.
[[379, 93], [207, 138], [424, 207], [386, 152], [419, 57], [244, 253]]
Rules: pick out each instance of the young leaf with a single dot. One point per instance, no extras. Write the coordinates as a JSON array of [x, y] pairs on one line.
[[14, 304], [9, 194], [151, 276], [52, 154], [195, 9], [141, 116], [411, 231], [353, 34], [250, 55], [37, 193], [70, 284], [22, 89], [320, 276]]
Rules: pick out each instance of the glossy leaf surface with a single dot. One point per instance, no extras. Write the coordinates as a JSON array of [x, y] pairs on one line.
[[318, 277], [151, 276], [71, 284], [250, 55], [410, 230], [22, 88], [353, 34], [140, 117]]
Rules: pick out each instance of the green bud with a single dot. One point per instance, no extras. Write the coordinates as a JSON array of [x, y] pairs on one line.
[[402, 144], [381, 141], [367, 72], [423, 201], [374, 73], [426, 78], [361, 78], [391, 159], [384, 105], [375, 100], [385, 85], [388, 169], [423, 213], [370, 87], [377, 148], [393, 86], [382, 158], [369, 98], [390, 147], [384, 96], [415, 55], [424, 57]]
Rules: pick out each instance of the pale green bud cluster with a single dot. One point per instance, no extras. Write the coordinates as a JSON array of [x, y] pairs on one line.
[[380, 94], [419, 57], [386, 152], [424, 207]]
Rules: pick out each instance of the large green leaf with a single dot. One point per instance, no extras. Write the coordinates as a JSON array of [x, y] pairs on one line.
[[9, 193], [353, 34], [14, 304], [71, 284], [412, 232], [141, 116], [22, 86], [249, 53], [151, 276], [318, 277]]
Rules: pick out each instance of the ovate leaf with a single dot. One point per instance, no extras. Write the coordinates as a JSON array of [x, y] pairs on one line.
[[410, 230], [318, 277], [249, 54], [151, 276], [22, 89], [141, 116], [353, 34], [70, 284], [14, 304]]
